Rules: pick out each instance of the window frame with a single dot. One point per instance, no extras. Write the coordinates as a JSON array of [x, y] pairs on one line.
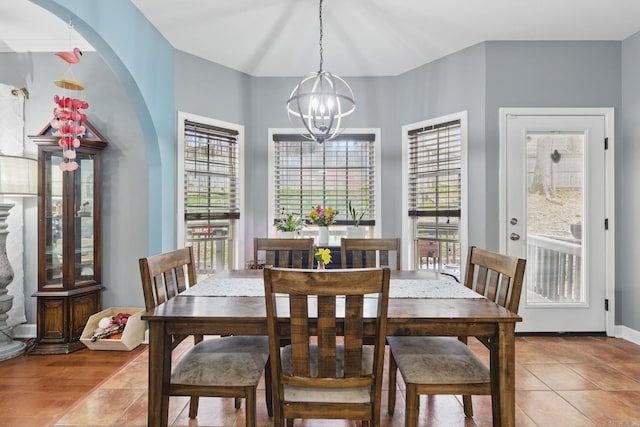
[[408, 229], [237, 248], [377, 228]]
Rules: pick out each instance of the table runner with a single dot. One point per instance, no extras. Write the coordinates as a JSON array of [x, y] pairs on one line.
[[398, 288]]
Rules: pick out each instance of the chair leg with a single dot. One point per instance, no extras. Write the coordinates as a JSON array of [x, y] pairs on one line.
[[268, 391], [393, 369], [237, 403], [193, 407], [250, 409], [466, 404], [413, 404], [289, 422]]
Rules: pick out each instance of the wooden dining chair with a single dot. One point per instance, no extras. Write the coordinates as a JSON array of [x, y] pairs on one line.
[[218, 367], [291, 253], [442, 365], [326, 372], [365, 253]]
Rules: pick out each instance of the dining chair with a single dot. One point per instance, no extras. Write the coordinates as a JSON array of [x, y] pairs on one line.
[[326, 372], [291, 253], [228, 366], [444, 365], [365, 253]]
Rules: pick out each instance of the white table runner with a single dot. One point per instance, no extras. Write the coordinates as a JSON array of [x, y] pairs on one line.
[[399, 288]]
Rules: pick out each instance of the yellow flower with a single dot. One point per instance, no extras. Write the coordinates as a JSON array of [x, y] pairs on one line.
[[323, 255]]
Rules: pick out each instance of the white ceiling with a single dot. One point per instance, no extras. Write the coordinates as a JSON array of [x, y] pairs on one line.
[[361, 37]]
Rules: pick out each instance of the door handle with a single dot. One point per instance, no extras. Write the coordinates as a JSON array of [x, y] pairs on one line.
[[514, 236]]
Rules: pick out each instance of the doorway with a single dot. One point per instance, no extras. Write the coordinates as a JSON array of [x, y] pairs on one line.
[[556, 210]]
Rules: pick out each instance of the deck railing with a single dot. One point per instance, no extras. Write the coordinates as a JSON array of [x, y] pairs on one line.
[[554, 269], [438, 254], [210, 254]]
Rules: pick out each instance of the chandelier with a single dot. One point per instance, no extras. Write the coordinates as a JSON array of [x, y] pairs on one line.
[[320, 100]]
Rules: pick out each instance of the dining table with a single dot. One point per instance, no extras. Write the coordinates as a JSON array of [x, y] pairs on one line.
[[421, 303]]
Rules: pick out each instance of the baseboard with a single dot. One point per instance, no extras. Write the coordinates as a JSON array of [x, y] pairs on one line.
[[25, 330], [29, 330], [628, 334], [561, 334]]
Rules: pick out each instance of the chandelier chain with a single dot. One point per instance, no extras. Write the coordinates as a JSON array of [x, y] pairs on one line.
[[320, 17]]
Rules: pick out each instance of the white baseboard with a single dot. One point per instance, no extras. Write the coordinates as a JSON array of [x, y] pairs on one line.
[[628, 334], [25, 330]]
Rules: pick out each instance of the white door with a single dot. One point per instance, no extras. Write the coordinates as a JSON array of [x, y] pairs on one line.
[[555, 215]]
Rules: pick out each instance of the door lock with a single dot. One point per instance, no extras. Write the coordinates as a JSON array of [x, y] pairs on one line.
[[514, 221]]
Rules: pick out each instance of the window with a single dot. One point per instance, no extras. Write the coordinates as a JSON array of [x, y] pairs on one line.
[[306, 174], [434, 193], [210, 196]]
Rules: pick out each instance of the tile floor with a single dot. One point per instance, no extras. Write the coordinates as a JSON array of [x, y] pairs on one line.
[[560, 381]]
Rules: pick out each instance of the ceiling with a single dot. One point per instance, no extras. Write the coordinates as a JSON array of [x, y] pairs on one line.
[[361, 37]]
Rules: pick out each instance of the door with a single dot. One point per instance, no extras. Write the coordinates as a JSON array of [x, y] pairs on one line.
[[555, 215]]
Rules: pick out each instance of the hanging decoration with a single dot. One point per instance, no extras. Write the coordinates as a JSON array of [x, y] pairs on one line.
[[320, 101], [68, 120]]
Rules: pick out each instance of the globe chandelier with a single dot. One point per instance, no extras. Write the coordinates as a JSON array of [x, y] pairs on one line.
[[320, 101]]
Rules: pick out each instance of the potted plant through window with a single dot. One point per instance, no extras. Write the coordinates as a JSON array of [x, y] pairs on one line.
[[355, 231], [289, 225]]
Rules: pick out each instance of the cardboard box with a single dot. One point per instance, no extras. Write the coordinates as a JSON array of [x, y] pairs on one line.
[[131, 337]]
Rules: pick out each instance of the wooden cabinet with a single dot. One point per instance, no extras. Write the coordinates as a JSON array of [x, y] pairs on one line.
[[69, 242]]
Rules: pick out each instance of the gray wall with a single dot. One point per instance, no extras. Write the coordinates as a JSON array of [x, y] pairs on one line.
[[124, 203], [544, 74], [628, 190], [452, 84], [549, 74], [480, 79]]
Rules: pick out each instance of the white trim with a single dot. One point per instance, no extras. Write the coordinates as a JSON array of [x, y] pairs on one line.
[[609, 127], [627, 334], [407, 253], [377, 145], [238, 233], [25, 330]]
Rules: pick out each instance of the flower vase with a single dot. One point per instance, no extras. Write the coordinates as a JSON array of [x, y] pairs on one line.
[[287, 234], [323, 236], [320, 265]]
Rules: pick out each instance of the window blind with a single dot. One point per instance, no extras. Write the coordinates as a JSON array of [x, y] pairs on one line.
[[211, 172], [435, 180], [332, 174]]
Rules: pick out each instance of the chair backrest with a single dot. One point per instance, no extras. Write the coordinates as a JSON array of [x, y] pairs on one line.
[[498, 277], [367, 253], [287, 253], [166, 275], [323, 293]]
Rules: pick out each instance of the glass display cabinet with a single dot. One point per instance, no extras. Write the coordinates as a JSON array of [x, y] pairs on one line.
[[69, 242]]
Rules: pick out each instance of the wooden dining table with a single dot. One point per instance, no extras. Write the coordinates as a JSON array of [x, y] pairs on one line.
[[432, 313]]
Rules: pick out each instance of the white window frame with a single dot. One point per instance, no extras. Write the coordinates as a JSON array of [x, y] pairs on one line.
[[237, 247], [377, 186], [408, 231]]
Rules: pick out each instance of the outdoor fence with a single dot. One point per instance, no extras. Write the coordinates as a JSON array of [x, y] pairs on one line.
[[554, 269]]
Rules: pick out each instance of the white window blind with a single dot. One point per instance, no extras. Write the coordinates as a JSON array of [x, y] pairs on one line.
[[307, 174], [211, 173], [435, 180]]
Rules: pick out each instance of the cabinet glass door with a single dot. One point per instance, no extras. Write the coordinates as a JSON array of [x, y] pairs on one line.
[[55, 225], [84, 259]]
